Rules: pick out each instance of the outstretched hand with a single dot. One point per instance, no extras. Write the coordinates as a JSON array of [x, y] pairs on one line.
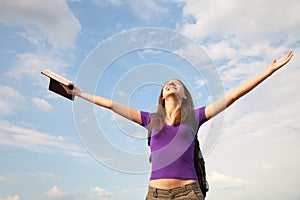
[[275, 65], [74, 92]]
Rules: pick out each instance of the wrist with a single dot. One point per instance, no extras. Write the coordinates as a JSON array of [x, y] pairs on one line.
[[77, 93], [269, 71]]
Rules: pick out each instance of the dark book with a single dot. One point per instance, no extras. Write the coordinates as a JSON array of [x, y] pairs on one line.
[[56, 82]]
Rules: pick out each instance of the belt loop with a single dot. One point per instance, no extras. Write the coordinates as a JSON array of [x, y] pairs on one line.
[[187, 187], [155, 193]]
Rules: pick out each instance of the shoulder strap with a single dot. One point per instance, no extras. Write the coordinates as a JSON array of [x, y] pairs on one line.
[[199, 165], [149, 137]]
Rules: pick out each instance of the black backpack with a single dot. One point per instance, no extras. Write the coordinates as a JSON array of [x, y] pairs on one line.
[[198, 163]]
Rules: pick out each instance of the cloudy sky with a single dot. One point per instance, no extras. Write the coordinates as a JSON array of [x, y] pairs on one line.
[[52, 148]]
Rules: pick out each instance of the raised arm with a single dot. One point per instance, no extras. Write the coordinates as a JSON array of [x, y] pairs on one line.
[[121, 109], [221, 104]]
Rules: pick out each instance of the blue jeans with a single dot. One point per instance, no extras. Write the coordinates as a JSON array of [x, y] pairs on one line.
[[186, 192]]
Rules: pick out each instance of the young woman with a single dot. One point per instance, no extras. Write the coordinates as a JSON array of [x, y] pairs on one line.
[[172, 129]]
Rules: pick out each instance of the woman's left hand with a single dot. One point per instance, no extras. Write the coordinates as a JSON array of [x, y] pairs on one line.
[[275, 65]]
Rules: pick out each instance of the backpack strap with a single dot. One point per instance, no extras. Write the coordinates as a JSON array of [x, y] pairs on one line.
[[199, 165], [148, 141], [149, 137]]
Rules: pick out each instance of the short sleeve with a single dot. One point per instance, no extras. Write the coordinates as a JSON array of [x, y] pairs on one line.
[[146, 117], [200, 116]]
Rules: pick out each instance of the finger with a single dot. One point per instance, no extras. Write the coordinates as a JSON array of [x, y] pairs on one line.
[[288, 56], [63, 85], [65, 88]]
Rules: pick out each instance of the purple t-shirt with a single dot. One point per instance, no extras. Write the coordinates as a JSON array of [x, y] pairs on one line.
[[172, 148]]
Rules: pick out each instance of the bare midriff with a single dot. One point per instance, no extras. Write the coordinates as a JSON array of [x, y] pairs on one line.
[[168, 183]]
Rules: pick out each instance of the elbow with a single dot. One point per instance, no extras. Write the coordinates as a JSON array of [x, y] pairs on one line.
[[109, 104], [230, 99]]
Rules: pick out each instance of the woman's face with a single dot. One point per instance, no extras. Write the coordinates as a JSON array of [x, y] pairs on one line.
[[174, 87]]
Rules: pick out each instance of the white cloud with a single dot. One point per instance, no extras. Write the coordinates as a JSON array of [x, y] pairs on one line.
[[55, 192], [250, 20], [16, 197], [99, 192], [145, 10], [94, 193], [148, 9], [191, 53], [9, 92], [10, 99], [242, 42], [39, 142], [41, 104], [226, 181], [52, 19], [200, 83], [31, 64]]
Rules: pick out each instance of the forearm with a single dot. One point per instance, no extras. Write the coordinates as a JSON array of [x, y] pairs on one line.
[[98, 100], [121, 109], [246, 87], [229, 98]]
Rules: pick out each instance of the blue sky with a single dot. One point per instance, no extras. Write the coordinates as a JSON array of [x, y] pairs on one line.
[[52, 148]]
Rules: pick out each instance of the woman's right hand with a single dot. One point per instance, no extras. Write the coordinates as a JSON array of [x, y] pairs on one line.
[[75, 91]]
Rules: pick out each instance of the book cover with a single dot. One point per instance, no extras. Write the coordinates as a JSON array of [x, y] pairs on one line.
[[56, 82]]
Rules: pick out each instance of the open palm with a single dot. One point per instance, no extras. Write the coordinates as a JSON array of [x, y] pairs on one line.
[[275, 65]]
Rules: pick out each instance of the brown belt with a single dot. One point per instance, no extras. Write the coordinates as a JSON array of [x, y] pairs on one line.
[[174, 191]]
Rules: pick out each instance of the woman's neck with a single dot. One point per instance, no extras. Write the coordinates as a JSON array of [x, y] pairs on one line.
[[172, 107]]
